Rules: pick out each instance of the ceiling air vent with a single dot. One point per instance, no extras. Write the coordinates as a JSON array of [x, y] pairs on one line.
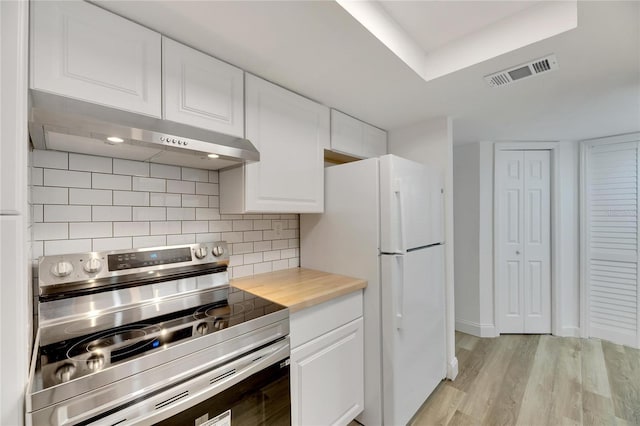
[[508, 76]]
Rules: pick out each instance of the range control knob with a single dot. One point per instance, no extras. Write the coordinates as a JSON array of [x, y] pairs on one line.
[[218, 251], [201, 252], [93, 265], [62, 269], [95, 362], [65, 372], [202, 328]]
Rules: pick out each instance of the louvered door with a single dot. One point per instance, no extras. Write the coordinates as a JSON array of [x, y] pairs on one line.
[[611, 218]]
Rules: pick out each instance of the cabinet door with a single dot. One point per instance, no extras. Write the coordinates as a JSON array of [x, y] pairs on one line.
[[327, 378], [346, 134], [82, 51], [200, 90], [374, 141], [291, 133]]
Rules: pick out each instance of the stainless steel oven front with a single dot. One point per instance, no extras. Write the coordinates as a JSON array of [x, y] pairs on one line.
[[156, 336]]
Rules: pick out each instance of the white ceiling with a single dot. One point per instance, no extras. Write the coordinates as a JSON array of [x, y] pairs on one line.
[[429, 22], [317, 49]]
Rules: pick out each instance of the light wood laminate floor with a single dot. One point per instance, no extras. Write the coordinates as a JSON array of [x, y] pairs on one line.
[[537, 380]]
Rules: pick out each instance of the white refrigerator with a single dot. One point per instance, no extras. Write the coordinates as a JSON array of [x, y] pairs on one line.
[[383, 222]]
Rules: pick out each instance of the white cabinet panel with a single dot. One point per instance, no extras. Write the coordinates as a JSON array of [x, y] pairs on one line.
[[353, 137], [82, 51], [291, 133], [327, 378], [200, 90]]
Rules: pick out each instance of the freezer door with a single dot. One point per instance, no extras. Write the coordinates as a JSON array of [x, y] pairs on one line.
[[413, 330], [411, 203]]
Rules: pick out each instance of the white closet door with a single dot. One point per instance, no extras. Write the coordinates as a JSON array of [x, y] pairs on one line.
[[611, 273], [523, 241]]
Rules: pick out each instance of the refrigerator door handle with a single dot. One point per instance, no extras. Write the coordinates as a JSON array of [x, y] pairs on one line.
[[398, 192], [399, 293]]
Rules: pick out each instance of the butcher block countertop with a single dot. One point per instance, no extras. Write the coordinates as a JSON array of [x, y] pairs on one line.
[[299, 288]]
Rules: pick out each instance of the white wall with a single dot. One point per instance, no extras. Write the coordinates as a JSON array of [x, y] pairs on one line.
[[475, 297], [431, 142], [466, 203]]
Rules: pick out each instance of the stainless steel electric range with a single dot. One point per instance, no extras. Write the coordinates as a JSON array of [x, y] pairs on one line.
[[155, 336]]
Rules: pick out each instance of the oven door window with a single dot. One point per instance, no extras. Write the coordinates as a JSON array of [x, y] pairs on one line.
[[261, 399]]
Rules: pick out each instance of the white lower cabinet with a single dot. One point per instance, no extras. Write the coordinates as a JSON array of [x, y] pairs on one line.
[[327, 371]]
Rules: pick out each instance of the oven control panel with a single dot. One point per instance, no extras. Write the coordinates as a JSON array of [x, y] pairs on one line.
[[61, 273]]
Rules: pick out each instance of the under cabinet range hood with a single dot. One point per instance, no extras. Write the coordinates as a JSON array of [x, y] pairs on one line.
[[65, 124]]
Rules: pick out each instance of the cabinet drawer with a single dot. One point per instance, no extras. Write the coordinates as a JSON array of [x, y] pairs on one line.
[[327, 378], [317, 320]]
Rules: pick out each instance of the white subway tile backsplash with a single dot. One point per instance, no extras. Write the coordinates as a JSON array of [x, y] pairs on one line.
[[197, 175], [262, 245], [165, 171], [232, 237], [110, 213], [262, 268], [50, 159], [50, 231], [105, 181], [195, 200], [207, 188], [173, 240], [281, 264], [130, 198], [53, 213], [252, 236], [130, 229], [181, 213], [49, 195], [66, 247], [129, 167], [242, 271], [279, 244], [242, 225], [90, 229], [151, 241], [107, 244], [172, 227], [65, 178], [148, 184], [93, 197], [181, 187], [101, 204], [207, 214], [271, 255], [252, 258], [166, 200], [149, 213], [208, 237], [193, 227], [241, 248], [38, 213], [220, 226], [90, 163], [37, 176]]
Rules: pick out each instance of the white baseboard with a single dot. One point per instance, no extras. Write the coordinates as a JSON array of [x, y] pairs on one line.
[[570, 332], [476, 329], [452, 369]]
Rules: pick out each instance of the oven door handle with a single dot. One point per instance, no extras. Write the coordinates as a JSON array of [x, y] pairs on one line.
[[200, 388]]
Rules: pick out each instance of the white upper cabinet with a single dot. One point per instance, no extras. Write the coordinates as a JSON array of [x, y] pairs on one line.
[[356, 138], [291, 132], [82, 51], [200, 90]]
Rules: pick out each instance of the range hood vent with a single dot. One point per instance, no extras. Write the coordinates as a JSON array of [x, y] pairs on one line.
[[529, 69], [64, 124]]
